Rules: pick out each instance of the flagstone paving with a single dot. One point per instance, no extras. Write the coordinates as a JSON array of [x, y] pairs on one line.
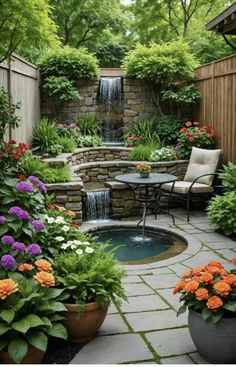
[[145, 330]]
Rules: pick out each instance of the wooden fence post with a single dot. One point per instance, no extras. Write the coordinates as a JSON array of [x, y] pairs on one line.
[[9, 89]]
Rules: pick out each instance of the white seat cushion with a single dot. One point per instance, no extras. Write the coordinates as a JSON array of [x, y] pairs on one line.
[[202, 161], [182, 187]]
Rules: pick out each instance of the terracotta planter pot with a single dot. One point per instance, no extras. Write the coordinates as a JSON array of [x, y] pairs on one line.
[[34, 356], [84, 327], [215, 342]]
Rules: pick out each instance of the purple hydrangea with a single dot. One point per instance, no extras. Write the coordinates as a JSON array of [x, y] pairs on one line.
[[8, 262], [2, 219], [37, 225], [18, 246], [7, 240], [36, 181], [34, 249], [20, 213], [25, 187]]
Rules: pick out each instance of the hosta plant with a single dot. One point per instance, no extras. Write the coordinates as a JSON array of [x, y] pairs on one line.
[[210, 290], [163, 154], [228, 177]]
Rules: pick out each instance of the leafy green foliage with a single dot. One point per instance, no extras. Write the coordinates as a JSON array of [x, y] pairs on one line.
[[168, 129], [111, 54], [71, 131], [68, 145], [91, 276], [69, 62], [36, 167], [228, 177], [163, 154], [142, 152], [161, 63], [184, 95], [89, 141], [146, 131], [8, 119], [88, 124], [222, 212], [62, 88], [45, 137], [26, 26]]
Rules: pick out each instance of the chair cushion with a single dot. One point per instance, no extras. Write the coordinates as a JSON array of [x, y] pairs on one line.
[[182, 187], [202, 161]]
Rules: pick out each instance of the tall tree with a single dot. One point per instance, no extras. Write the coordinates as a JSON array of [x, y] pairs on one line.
[[25, 24]]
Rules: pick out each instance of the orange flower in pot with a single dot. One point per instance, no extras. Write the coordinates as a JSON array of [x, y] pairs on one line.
[[92, 279], [144, 169]]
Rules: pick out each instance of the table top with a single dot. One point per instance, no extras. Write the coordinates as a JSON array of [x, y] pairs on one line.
[[153, 179]]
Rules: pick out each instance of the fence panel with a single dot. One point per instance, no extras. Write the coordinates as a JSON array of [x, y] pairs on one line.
[[217, 83], [21, 80]]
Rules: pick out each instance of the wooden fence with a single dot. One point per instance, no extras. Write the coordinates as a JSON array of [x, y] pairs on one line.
[[217, 83], [20, 79]]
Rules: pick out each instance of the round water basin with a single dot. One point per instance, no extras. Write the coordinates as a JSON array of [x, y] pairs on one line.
[[131, 247]]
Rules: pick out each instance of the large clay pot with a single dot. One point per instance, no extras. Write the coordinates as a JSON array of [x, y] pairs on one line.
[[215, 342], [84, 327], [34, 356]]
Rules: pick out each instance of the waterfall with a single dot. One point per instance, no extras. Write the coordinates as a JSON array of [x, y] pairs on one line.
[[110, 96], [97, 204], [110, 92]]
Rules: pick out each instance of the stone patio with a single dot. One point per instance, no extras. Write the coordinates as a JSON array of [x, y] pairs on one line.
[[145, 330]]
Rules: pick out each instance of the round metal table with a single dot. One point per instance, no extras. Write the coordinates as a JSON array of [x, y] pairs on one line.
[[154, 180]]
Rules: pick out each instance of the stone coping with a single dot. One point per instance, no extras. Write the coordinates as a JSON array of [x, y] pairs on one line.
[[193, 244]]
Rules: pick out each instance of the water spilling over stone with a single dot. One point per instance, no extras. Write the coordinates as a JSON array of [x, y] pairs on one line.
[[97, 205]]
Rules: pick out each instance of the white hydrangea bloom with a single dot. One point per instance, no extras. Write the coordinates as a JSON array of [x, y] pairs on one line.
[[59, 238], [79, 252], [65, 228], [89, 250]]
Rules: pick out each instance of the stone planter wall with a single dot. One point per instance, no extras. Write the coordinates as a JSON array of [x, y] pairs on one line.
[[85, 155]]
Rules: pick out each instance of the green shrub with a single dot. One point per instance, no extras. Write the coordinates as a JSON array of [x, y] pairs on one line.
[[33, 166], [45, 137], [89, 141], [68, 145], [163, 154], [145, 130], [61, 88], [7, 113], [142, 152], [71, 131], [222, 212], [161, 63], [69, 62], [182, 95], [88, 125], [228, 177], [168, 129]]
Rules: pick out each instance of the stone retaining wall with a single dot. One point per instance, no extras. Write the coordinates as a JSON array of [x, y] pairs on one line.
[[85, 155]]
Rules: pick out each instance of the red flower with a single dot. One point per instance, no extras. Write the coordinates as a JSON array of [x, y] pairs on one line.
[[191, 139], [19, 151], [1, 156], [188, 123], [8, 149], [182, 130], [22, 177], [12, 141], [16, 157]]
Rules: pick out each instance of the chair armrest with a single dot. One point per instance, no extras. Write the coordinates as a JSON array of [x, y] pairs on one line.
[[205, 175]]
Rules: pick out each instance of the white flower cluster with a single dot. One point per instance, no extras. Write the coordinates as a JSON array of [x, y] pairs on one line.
[[57, 220], [73, 245]]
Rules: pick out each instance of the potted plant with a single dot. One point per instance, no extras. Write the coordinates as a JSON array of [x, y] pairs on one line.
[[29, 309], [209, 293], [144, 169], [91, 278]]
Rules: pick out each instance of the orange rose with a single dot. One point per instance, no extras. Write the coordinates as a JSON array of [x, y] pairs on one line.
[[222, 288], [197, 271], [213, 269], [61, 209], [230, 279], [233, 261], [45, 279], [179, 287], [25, 267], [214, 302], [43, 265], [191, 286], [218, 264], [205, 278], [71, 213], [187, 274], [201, 294], [7, 287]]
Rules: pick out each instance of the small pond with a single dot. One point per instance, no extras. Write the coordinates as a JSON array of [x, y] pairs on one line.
[[131, 247]]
